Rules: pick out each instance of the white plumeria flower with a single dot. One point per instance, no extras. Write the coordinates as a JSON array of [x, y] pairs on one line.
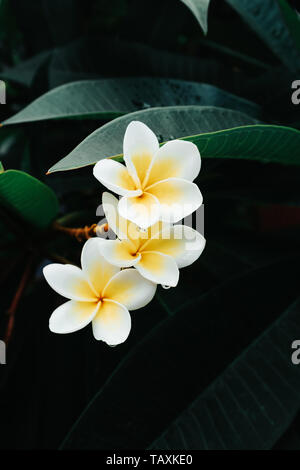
[[156, 253], [100, 293], [156, 183]]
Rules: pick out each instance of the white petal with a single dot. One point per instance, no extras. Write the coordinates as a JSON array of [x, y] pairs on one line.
[[153, 232], [143, 211], [181, 242], [140, 146], [129, 288], [177, 197], [97, 269], [120, 253], [194, 245], [116, 223], [175, 159], [69, 281], [115, 177], [158, 268], [112, 323], [123, 228], [72, 316]]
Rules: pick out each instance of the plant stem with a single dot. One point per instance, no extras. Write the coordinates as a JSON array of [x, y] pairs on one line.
[[15, 302], [81, 234]]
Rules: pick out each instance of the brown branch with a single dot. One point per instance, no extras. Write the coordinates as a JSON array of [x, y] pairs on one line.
[[81, 234], [17, 297]]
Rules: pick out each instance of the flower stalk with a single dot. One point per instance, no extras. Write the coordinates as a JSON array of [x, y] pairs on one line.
[[82, 233], [11, 312]]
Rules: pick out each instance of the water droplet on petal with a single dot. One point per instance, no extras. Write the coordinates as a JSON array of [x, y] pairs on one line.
[[165, 287]]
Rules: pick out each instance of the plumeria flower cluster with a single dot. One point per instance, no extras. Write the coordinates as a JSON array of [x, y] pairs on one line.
[[157, 191]]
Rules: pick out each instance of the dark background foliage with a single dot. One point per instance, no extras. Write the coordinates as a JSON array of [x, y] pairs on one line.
[[208, 364]]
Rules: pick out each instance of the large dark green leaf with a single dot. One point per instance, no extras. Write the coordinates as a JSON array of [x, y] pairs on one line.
[[218, 133], [292, 21], [252, 403], [185, 354], [266, 20], [273, 91], [237, 56], [109, 98], [79, 60], [7, 139], [199, 8], [27, 198], [168, 123], [291, 439], [26, 71]]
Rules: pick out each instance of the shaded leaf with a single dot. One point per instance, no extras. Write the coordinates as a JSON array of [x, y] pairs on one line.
[[8, 139], [292, 20], [26, 71], [187, 352], [109, 98], [266, 20], [291, 438], [199, 8], [252, 403], [218, 133], [79, 60], [28, 198]]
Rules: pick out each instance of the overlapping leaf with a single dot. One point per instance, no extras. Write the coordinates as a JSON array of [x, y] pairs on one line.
[[218, 133], [109, 98], [27, 198], [266, 19], [251, 404], [199, 8]]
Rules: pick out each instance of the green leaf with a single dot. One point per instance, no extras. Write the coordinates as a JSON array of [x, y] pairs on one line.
[[291, 439], [79, 60], [199, 8], [8, 139], [26, 71], [266, 20], [292, 20], [1, 167], [218, 133], [252, 403], [27, 198], [236, 55], [184, 360], [109, 98]]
